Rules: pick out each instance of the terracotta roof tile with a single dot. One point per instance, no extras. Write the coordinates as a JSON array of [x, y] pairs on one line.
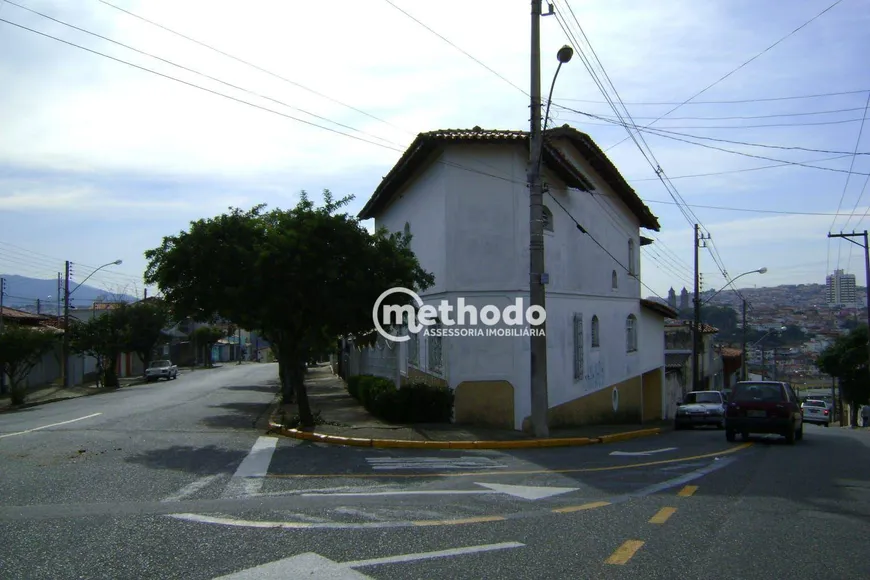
[[427, 144]]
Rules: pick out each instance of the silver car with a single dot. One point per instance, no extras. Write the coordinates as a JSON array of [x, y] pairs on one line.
[[815, 411], [701, 408]]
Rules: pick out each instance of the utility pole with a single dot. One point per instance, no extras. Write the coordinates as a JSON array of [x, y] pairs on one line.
[[775, 363], [2, 368], [38, 306], [866, 246], [537, 278], [145, 297], [59, 293], [743, 358], [696, 326], [762, 362], [66, 377]]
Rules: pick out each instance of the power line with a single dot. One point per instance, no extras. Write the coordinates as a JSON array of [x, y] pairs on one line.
[[851, 166], [493, 71], [764, 126], [730, 171], [753, 100], [747, 209], [744, 117], [659, 130], [254, 66], [603, 249], [725, 76]]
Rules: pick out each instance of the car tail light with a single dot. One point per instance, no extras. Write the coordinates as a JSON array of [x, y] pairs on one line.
[[826, 411]]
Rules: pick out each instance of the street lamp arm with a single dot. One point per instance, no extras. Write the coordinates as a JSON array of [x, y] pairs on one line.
[[730, 282], [115, 263]]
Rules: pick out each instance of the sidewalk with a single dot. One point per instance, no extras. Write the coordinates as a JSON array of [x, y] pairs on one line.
[[343, 420], [53, 393]]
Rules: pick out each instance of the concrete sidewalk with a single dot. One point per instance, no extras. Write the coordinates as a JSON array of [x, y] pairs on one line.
[[343, 420]]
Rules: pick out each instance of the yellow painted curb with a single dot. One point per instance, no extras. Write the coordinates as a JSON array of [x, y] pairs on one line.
[[407, 444]]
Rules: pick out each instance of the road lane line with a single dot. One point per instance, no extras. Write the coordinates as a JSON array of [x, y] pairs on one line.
[[428, 555], [663, 515], [47, 426], [688, 491], [191, 488], [624, 553], [248, 478], [578, 508]]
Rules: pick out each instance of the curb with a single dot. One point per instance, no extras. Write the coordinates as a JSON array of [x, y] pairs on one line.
[[406, 444]]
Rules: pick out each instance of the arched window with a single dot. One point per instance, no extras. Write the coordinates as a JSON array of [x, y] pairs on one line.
[[596, 336], [547, 218], [614, 280], [631, 258], [631, 333]]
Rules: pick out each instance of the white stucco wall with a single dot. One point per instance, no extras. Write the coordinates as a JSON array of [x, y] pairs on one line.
[[472, 231]]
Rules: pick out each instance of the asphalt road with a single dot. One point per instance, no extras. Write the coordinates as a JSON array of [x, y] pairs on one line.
[[170, 480]]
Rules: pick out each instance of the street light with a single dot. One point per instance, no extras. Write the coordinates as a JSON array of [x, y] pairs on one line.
[[537, 276], [762, 270], [67, 293]]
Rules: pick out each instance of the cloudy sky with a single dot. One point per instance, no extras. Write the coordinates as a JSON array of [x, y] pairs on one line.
[[100, 159]]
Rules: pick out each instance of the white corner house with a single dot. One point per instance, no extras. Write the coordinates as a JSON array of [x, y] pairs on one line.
[[462, 194]]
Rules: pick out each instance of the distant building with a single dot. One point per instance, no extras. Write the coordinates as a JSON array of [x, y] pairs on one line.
[[684, 299], [840, 289], [672, 299]]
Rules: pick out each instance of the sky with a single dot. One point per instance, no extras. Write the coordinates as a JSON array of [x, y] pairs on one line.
[[99, 160]]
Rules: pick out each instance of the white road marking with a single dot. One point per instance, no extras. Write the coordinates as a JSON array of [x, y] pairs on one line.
[[248, 478], [522, 491], [191, 488], [715, 465], [396, 463], [313, 565], [47, 426], [642, 453]]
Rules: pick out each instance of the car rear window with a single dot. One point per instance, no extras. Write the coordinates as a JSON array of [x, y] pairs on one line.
[[815, 404], [757, 392], [695, 398]]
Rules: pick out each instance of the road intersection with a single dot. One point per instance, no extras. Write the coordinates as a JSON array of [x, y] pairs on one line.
[[172, 481]]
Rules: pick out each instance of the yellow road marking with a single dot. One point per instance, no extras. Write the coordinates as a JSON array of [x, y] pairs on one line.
[[577, 508], [688, 491], [662, 515], [734, 449], [477, 520], [624, 553]]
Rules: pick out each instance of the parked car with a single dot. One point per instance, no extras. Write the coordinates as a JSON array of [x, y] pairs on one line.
[[161, 369], [701, 408], [815, 411], [768, 407]]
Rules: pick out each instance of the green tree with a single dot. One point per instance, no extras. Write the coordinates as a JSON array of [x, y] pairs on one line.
[[300, 277], [104, 337], [146, 322], [205, 337], [846, 359], [21, 348]]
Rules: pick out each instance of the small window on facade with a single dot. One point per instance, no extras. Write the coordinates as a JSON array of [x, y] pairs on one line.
[[596, 340], [547, 218], [435, 361], [578, 347], [614, 280], [631, 267], [631, 333]]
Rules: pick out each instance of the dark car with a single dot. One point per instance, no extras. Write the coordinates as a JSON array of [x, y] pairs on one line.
[[701, 408], [768, 407]]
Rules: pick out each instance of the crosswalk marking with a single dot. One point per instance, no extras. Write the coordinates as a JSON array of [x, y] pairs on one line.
[[441, 463]]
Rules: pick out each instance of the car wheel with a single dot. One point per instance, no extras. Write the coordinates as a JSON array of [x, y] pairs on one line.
[[800, 433], [790, 435], [721, 425], [745, 435], [730, 436]]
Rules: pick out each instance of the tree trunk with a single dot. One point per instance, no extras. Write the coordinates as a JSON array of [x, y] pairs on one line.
[[294, 382], [111, 379]]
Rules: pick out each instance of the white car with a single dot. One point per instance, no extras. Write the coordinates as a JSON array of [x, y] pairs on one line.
[[815, 411], [161, 369]]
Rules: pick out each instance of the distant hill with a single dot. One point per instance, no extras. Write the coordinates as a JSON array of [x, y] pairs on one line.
[[22, 292]]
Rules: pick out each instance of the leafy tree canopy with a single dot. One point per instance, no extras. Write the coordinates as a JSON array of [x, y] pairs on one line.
[[847, 360], [301, 276], [21, 348]]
